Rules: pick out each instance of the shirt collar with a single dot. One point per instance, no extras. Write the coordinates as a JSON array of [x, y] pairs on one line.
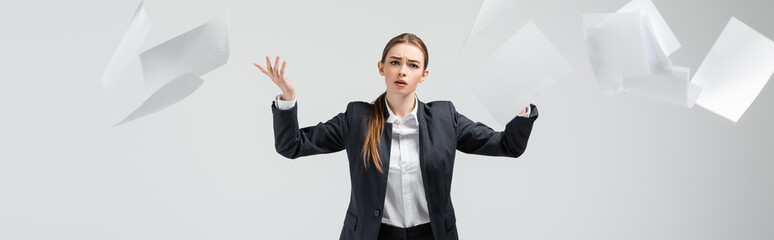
[[410, 115]]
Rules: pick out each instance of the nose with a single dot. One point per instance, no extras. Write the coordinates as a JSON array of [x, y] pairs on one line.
[[402, 71]]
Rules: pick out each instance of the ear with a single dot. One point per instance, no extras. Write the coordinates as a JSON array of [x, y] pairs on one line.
[[381, 68], [424, 75]]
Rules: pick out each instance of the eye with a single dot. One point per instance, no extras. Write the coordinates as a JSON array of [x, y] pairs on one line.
[[393, 62], [414, 66]]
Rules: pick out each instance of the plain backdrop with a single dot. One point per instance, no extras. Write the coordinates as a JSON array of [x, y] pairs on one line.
[[622, 167]]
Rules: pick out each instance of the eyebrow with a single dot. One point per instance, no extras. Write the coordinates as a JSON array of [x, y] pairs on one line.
[[410, 60]]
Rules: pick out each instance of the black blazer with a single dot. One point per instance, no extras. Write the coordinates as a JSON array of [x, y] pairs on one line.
[[442, 130]]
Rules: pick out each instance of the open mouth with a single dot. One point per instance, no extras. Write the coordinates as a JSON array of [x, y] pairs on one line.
[[401, 83]]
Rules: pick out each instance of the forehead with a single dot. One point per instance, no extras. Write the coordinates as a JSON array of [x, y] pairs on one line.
[[406, 50]]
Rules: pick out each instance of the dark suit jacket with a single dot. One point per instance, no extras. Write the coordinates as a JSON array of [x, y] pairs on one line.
[[442, 130]]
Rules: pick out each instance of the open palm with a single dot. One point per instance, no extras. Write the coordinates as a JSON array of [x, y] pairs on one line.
[[277, 76]]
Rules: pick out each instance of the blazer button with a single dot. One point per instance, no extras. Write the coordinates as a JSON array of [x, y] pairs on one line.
[[376, 213]]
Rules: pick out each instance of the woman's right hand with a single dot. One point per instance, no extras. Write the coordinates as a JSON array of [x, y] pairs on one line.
[[277, 76]]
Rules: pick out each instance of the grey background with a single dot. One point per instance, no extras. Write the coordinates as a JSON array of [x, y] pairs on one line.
[[623, 167]]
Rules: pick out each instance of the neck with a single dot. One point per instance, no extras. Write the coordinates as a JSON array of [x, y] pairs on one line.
[[400, 105]]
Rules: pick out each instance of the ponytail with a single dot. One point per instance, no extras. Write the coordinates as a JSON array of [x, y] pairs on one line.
[[374, 133]]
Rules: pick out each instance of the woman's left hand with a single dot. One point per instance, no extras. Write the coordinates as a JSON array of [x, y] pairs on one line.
[[524, 111]]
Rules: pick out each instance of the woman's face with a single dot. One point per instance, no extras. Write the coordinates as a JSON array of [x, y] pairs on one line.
[[403, 69]]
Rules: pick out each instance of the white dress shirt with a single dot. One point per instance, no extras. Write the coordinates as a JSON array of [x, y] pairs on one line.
[[405, 204]]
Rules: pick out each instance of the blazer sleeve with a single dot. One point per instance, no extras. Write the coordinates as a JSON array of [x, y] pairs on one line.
[[477, 138], [292, 142]]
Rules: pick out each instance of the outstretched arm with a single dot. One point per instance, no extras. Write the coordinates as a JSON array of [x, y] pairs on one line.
[[477, 138], [291, 141]]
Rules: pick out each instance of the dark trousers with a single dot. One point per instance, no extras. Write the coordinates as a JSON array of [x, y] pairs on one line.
[[418, 232]]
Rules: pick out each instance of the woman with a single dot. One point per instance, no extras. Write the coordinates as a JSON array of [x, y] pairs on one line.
[[401, 150]]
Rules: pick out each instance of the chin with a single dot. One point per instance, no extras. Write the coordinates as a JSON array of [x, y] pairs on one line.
[[401, 92]]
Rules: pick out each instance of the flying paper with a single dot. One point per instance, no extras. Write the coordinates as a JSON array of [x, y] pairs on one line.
[[735, 70], [493, 16], [663, 34], [615, 49], [669, 86], [197, 51], [172, 70], [171, 93], [524, 67], [128, 47], [496, 22], [628, 51]]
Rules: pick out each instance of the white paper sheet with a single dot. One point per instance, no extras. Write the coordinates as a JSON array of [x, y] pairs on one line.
[[666, 83], [657, 58], [615, 49], [171, 93], [171, 70], [670, 86], [197, 51], [127, 49], [735, 70], [663, 33], [494, 14], [629, 50], [523, 68]]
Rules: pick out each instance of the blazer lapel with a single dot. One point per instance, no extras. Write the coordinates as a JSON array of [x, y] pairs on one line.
[[423, 140]]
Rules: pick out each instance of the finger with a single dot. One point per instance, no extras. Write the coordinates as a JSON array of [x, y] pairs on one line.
[[268, 64], [262, 69], [282, 71], [276, 66]]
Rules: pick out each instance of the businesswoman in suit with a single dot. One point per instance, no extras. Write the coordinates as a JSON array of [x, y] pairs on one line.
[[400, 150]]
